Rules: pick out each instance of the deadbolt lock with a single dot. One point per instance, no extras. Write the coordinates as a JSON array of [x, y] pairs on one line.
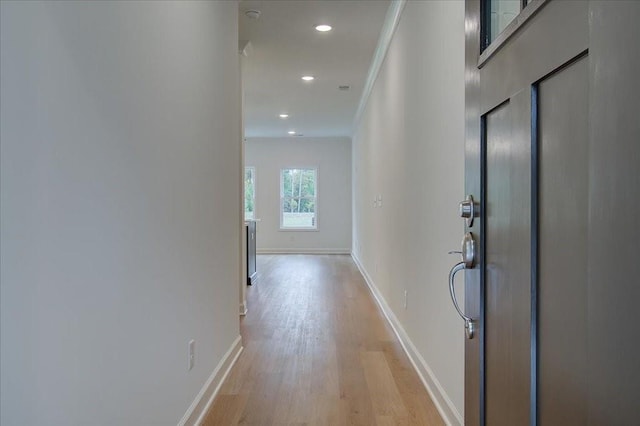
[[468, 210]]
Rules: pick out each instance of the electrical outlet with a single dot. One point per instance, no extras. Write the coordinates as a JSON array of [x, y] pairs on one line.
[[406, 298], [192, 353]]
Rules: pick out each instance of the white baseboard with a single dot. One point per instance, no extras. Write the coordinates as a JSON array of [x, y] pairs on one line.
[[200, 406], [443, 403], [303, 251]]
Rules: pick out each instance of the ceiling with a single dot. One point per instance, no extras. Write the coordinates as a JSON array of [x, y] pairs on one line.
[[284, 46]]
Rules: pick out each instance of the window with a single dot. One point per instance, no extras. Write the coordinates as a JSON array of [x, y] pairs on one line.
[[249, 193], [499, 14], [298, 199]]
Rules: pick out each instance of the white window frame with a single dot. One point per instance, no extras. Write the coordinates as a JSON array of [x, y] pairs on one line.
[[244, 195], [281, 203]]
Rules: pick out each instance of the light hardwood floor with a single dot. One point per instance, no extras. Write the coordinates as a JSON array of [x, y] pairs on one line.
[[318, 351]]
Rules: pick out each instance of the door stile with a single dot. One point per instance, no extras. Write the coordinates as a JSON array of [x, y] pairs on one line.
[[474, 392], [483, 265], [535, 171]]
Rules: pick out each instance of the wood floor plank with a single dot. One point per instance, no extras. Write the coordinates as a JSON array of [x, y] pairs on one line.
[[385, 395], [318, 351], [385, 421], [227, 409]]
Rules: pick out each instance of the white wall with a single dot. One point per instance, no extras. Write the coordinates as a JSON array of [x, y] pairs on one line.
[[332, 157], [120, 240], [408, 147]]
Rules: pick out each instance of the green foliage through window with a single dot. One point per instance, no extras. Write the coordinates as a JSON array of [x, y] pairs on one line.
[[298, 198], [249, 192]]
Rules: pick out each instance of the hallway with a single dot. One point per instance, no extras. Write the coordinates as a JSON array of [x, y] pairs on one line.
[[318, 351]]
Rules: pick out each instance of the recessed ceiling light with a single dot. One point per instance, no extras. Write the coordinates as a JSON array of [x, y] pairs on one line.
[[284, 115], [291, 132], [323, 28], [308, 77]]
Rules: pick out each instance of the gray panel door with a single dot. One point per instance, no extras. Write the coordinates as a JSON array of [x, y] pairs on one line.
[[551, 156]]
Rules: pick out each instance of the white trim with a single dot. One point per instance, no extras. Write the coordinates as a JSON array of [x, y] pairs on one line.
[[299, 229], [197, 412], [389, 26], [443, 403], [304, 251], [243, 308]]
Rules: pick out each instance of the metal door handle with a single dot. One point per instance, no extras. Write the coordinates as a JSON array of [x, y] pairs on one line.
[[469, 327]]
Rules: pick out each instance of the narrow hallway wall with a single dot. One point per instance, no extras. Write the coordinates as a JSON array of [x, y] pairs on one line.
[[120, 149], [408, 170]]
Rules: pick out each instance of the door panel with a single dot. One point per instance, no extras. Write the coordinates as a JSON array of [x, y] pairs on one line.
[[507, 282], [563, 112]]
